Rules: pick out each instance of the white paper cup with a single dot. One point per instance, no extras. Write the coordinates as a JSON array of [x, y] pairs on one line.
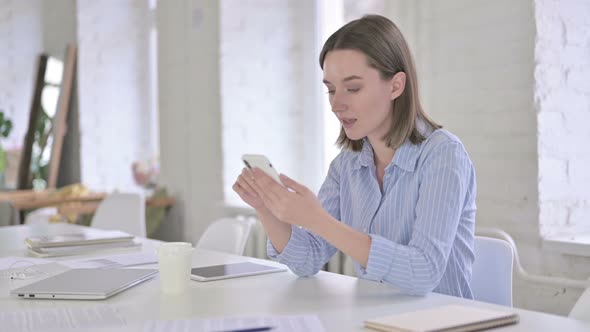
[[38, 224], [174, 262]]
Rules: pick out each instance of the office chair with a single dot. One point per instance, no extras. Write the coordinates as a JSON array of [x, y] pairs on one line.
[[122, 211], [227, 235], [40, 215], [581, 309], [491, 279]]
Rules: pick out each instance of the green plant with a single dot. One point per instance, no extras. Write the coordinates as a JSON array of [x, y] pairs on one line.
[[5, 125], [5, 128], [42, 146]]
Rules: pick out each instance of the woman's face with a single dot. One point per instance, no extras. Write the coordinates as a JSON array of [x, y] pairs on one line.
[[359, 97]]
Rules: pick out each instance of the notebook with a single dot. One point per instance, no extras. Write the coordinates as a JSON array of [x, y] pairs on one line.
[[84, 284], [82, 249], [450, 318], [76, 239]]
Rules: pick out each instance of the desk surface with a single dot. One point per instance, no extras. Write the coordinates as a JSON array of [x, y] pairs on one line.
[[341, 302]]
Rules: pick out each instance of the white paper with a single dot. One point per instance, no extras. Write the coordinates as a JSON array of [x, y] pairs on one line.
[[291, 323], [112, 261], [61, 319], [20, 262]]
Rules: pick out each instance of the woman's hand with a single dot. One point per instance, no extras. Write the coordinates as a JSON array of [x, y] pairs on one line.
[[298, 206], [243, 187]]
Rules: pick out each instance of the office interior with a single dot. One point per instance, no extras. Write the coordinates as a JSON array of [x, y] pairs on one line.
[[169, 94]]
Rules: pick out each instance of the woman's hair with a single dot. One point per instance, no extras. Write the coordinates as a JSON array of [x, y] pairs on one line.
[[387, 51]]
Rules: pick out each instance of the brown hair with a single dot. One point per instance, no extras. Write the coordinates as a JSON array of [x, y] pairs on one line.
[[387, 51]]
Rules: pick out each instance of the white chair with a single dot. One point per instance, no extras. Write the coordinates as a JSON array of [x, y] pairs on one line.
[[41, 215], [227, 235], [256, 244], [581, 309], [121, 211], [491, 279]]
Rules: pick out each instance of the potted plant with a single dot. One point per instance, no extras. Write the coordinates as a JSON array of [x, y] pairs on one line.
[[5, 128]]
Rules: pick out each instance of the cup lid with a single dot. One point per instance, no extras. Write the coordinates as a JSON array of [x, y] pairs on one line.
[[174, 247]]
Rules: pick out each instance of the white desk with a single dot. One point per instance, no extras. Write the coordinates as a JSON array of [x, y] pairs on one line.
[[341, 302]]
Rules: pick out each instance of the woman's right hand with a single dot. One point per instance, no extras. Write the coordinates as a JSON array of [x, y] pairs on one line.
[[278, 232], [243, 187]]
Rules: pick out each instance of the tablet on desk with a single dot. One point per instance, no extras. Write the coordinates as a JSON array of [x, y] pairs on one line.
[[233, 270]]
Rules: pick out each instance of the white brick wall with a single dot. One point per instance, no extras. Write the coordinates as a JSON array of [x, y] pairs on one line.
[[486, 79], [562, 102], [59, 26], [20, 44], [562, 98], [113, 77], [261, 85], [477, 68], [115, 92]]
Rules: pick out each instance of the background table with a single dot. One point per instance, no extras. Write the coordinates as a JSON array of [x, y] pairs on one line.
[[87, 204]]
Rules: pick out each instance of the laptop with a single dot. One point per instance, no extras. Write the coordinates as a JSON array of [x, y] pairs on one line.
[[84, 284]]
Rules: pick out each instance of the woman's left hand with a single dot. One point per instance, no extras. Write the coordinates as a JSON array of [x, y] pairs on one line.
[[298, 206]]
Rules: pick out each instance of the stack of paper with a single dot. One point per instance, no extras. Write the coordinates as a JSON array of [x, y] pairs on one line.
[[62, 319], [79, 243], [279, 323], [449, 318], [111, 261]]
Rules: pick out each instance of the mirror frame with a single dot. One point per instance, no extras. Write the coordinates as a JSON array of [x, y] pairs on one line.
[[24, 181]]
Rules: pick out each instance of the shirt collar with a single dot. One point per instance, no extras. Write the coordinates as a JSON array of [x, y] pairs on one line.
[[405, 157], [365, 157]]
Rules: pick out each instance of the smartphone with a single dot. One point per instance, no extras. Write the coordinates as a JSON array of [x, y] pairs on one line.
[[260, 161]]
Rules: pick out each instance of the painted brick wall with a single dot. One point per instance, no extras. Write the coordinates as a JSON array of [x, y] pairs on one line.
[[477, 70], [261, 85], [490, 71], [562, 98], [562, 102], [116, 123], [59, 26], [115, 92], [20, 43]]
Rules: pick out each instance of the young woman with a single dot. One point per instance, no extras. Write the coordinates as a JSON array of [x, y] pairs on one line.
[[399, 199]]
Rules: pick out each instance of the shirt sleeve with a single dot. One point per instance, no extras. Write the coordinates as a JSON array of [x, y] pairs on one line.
[[418, 267], [306, 253]]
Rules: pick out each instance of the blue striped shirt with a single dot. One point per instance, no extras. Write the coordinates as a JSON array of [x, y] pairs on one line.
[[421, 224]]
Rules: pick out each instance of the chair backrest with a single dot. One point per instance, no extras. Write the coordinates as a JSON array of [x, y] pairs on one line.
[[40, 215], [8, 214], [491, 279], [227, 235], [121, 211], [581, 309]]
